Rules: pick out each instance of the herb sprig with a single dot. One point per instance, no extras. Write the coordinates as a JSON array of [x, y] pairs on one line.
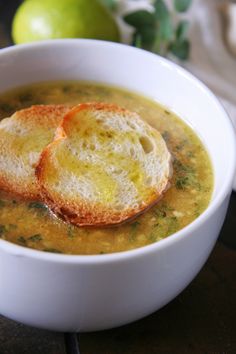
[[158, 31]]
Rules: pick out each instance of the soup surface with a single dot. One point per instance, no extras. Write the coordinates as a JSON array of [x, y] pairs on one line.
[[32, 225]]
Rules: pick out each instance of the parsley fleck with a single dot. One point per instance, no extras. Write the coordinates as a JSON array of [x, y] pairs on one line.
[[133, 230], [22, 240], [7, 108], [71, 232], [52, 250], [40, 208], [173, 225], [182, 182], [26, 97], [152, 237], [37, 205], [35, 238], [186, 176], [2, 230]]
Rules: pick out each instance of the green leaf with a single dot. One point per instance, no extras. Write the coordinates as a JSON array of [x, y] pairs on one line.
[[137, 41], [163, 37], [180, 49], [166, 29], [148, 35], [155, 31], [182, 30], [140, 18], [182, 5], [164, 24], [161, 10]]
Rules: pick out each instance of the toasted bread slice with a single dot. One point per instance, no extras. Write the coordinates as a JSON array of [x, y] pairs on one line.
[[23, 136], [105, 165]]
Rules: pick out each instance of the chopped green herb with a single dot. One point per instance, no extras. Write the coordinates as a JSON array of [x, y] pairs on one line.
[[35, 238], [71, 232], [52, 250], [162, 210], [152, 237], [180, 146], [133, 230], [173, 225], [135, 224], [186, 176], [7, 108], [190, 154], [2, 229], [190, 180], [66, 89], [182, 182], [38, 206], [26, 97], [180, 167], [22, 240], [197, 213], [159, 213]]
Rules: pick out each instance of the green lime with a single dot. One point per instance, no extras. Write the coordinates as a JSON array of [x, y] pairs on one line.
[[48, 19]]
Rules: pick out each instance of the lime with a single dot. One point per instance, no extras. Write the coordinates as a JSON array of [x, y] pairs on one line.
[[48, 19]]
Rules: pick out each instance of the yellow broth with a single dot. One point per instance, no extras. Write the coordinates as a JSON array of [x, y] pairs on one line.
[[32, 225]]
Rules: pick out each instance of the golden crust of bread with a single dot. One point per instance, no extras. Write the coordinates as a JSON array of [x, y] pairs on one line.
[[23, 136], [59, 170]]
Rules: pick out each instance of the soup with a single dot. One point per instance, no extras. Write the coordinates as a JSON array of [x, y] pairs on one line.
[[31, 224]]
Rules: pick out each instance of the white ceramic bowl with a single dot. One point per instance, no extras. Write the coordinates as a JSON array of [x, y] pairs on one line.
[[87, 293]]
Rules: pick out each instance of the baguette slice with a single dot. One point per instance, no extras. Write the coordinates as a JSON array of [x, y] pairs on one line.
[[105, 165], [23, 136]]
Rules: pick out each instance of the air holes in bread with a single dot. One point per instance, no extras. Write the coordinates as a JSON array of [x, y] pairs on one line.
[[146, 144]]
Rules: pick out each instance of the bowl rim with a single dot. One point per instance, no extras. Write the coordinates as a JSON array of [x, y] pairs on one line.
[[178, 236]]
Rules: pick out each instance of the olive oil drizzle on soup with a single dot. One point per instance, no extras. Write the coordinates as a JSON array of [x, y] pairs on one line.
[[32, 225]]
